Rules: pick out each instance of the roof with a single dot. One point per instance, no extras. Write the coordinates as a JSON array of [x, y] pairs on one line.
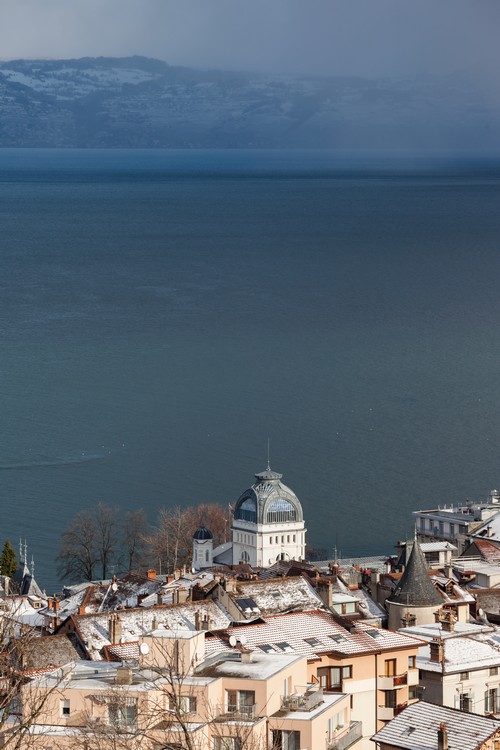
[[488, 550], [461, 654], [51, 651], [322, 631], [416, 728], [437, 546], [93, 629], [202, 533], [279, 595], [415, 588]]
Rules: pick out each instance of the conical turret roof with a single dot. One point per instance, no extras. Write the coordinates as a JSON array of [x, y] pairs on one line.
[[415, 588]]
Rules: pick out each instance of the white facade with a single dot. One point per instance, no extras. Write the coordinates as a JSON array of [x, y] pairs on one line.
[[268, 523]]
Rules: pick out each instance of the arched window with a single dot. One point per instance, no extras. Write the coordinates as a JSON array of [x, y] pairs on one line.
[[207, 556], [247, 509], [281, 511], [245, 557]]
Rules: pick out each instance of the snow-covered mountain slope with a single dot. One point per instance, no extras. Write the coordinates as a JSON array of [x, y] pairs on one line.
[[139, 102]]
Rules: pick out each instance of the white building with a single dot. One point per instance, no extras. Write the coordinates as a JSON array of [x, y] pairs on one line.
[[268, 524]]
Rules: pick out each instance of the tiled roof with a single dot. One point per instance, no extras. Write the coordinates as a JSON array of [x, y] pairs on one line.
[[94, 629], [294, 628], [122, 651], [415, 587], [416, 728], [280, 595]]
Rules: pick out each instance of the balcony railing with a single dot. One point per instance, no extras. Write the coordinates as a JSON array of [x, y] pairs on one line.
[[345, 738], [392, 683], [236, 713], [304, 699]]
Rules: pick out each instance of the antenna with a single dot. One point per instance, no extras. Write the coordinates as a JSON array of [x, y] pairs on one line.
[[268, 463]]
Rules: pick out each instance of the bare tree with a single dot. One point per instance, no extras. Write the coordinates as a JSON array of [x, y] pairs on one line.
[[90, 541], [171, 543], [77, 555], [134, 533]]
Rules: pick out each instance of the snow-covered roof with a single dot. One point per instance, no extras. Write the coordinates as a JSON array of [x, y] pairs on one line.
[[437, 546], [279, 595], [310, 634], [94, 629], [416, 728]]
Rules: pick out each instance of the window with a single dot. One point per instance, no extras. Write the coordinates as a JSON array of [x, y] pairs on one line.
[[390, 667], [413, 692], [247, 508], [464, 676], [294, 537], [288, 538], [266, 648], [226, 743], [270, 540], [241, 702], [284, 646], [312, 641], [65, 707], [465, 702], [186, 704], [373, 633], [281, 511], [276, 539], [412, 662], [491, 701], [391, 699], [493, 671], [286, 740], [331, 678], [123, 714]]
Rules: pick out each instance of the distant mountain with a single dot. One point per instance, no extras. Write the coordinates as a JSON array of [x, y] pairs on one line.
[[137, 102]]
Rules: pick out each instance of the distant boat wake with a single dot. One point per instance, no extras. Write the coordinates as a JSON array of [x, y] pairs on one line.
[[43, 463]]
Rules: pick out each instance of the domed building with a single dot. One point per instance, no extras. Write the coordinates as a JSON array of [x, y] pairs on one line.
[[203, 547], [268, 523]]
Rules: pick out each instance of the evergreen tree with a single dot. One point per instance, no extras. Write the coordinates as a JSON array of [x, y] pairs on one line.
[[8, 562]]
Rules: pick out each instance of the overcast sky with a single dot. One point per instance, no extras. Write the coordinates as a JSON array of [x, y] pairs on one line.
[[361, 37]]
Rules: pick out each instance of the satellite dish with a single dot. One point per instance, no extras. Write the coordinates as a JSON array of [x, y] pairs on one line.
[[243, 639], [144, 649], [114, 586], [233, 640]]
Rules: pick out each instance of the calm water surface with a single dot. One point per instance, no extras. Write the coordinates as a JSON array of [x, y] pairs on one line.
[[163, 313]]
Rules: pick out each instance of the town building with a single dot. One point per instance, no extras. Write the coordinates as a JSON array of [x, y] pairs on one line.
[[268, 525], [177, 696], [424, 725]]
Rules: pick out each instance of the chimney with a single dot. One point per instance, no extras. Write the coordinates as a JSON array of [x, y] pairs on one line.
[[56, 604], [490, 531], [448, 621], [49, 602], [118, 629], [436, 651], [442, 737], [197, 620], [123, 676], [205, 623], [182, 595], [246, 656], [159, 597], [177, 574], [111, 628], [154, 624], [152, 574]]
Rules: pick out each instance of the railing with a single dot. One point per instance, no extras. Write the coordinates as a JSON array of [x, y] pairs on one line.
[[395, 681], [400, 707], [302, 701], [344, 739], [233, 712]]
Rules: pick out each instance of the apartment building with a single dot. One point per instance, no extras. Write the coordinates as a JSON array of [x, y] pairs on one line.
[[177, 696]]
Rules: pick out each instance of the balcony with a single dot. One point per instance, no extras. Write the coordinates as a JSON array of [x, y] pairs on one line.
[[344, 738], [236, 713], [384, 713], [304, 699], [392, 683]]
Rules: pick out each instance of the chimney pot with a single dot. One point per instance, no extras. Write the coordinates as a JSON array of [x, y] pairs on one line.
[[152, 574]]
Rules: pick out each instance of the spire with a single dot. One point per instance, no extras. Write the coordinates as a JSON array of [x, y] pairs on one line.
[[415, 588], [268, 462]]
